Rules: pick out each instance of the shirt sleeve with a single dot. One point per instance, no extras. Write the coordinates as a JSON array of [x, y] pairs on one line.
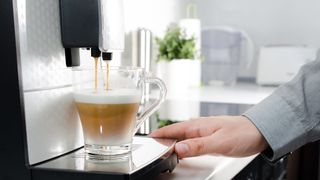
[[290, 117]]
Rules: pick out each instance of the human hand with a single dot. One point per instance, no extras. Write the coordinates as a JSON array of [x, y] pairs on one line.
[[225, 135]]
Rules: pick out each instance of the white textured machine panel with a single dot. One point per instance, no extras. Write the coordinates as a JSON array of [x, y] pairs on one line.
[[53, 127], [42, 56]]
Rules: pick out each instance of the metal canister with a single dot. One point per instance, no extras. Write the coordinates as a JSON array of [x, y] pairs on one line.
[[141, 57]]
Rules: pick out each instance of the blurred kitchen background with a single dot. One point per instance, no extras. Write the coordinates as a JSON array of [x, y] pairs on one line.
[[267, 22], [247, 47]]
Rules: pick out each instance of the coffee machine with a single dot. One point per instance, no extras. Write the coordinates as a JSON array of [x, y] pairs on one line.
[[41, 135]]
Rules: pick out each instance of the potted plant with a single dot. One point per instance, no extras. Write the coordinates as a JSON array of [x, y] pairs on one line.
[[177, 63]]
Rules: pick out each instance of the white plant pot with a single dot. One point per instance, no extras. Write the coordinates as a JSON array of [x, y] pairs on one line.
[[179, 75], [179, 110]]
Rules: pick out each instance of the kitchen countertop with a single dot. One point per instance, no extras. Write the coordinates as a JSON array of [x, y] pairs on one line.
[[241, 93], [209, 166]]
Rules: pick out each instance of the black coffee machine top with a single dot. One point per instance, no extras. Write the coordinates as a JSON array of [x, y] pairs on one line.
[[80, 22]]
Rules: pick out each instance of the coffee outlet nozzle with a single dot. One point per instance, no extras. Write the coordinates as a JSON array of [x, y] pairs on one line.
[[95, 52], [106, 56], [95, 24]]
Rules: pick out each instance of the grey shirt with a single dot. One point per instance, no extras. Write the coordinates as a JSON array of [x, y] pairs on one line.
[[290, 117]]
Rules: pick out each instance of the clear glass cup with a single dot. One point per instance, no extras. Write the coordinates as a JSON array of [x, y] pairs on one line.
[[109, 107]]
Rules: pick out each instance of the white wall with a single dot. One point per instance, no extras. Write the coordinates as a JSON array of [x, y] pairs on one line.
[[266, 21], [155, 15]]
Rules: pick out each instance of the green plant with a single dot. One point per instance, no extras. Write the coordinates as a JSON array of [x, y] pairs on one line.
[[165, 122], [176, 45]]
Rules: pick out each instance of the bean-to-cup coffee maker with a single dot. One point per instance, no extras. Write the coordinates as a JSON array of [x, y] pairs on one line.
[[41, 135]]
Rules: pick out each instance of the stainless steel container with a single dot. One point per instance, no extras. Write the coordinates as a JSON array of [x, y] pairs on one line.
[[141, 57]]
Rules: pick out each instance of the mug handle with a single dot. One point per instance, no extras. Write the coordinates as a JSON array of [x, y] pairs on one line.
[[149, 79]]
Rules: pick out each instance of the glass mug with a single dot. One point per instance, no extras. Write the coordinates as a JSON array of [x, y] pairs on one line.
[[108, 108]]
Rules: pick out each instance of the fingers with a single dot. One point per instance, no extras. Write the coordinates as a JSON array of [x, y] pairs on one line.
[[196, 146], [175, 131], [188, 129]]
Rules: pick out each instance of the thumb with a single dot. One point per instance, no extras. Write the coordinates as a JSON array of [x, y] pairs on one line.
[[195, 147]]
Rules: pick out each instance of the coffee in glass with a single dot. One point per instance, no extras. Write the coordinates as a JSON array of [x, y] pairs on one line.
[[109, 116]]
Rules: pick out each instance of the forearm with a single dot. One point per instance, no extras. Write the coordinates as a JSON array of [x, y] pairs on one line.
[[289, 118]]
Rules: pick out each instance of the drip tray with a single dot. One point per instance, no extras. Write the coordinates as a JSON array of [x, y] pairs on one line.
[[149, 158]]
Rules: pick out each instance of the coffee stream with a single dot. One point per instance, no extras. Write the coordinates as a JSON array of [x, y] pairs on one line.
[[107, 76], [96, 62]]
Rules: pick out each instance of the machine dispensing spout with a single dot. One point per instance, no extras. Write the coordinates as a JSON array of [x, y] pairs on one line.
[[107, 56], [95, 52], [94, 24]]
